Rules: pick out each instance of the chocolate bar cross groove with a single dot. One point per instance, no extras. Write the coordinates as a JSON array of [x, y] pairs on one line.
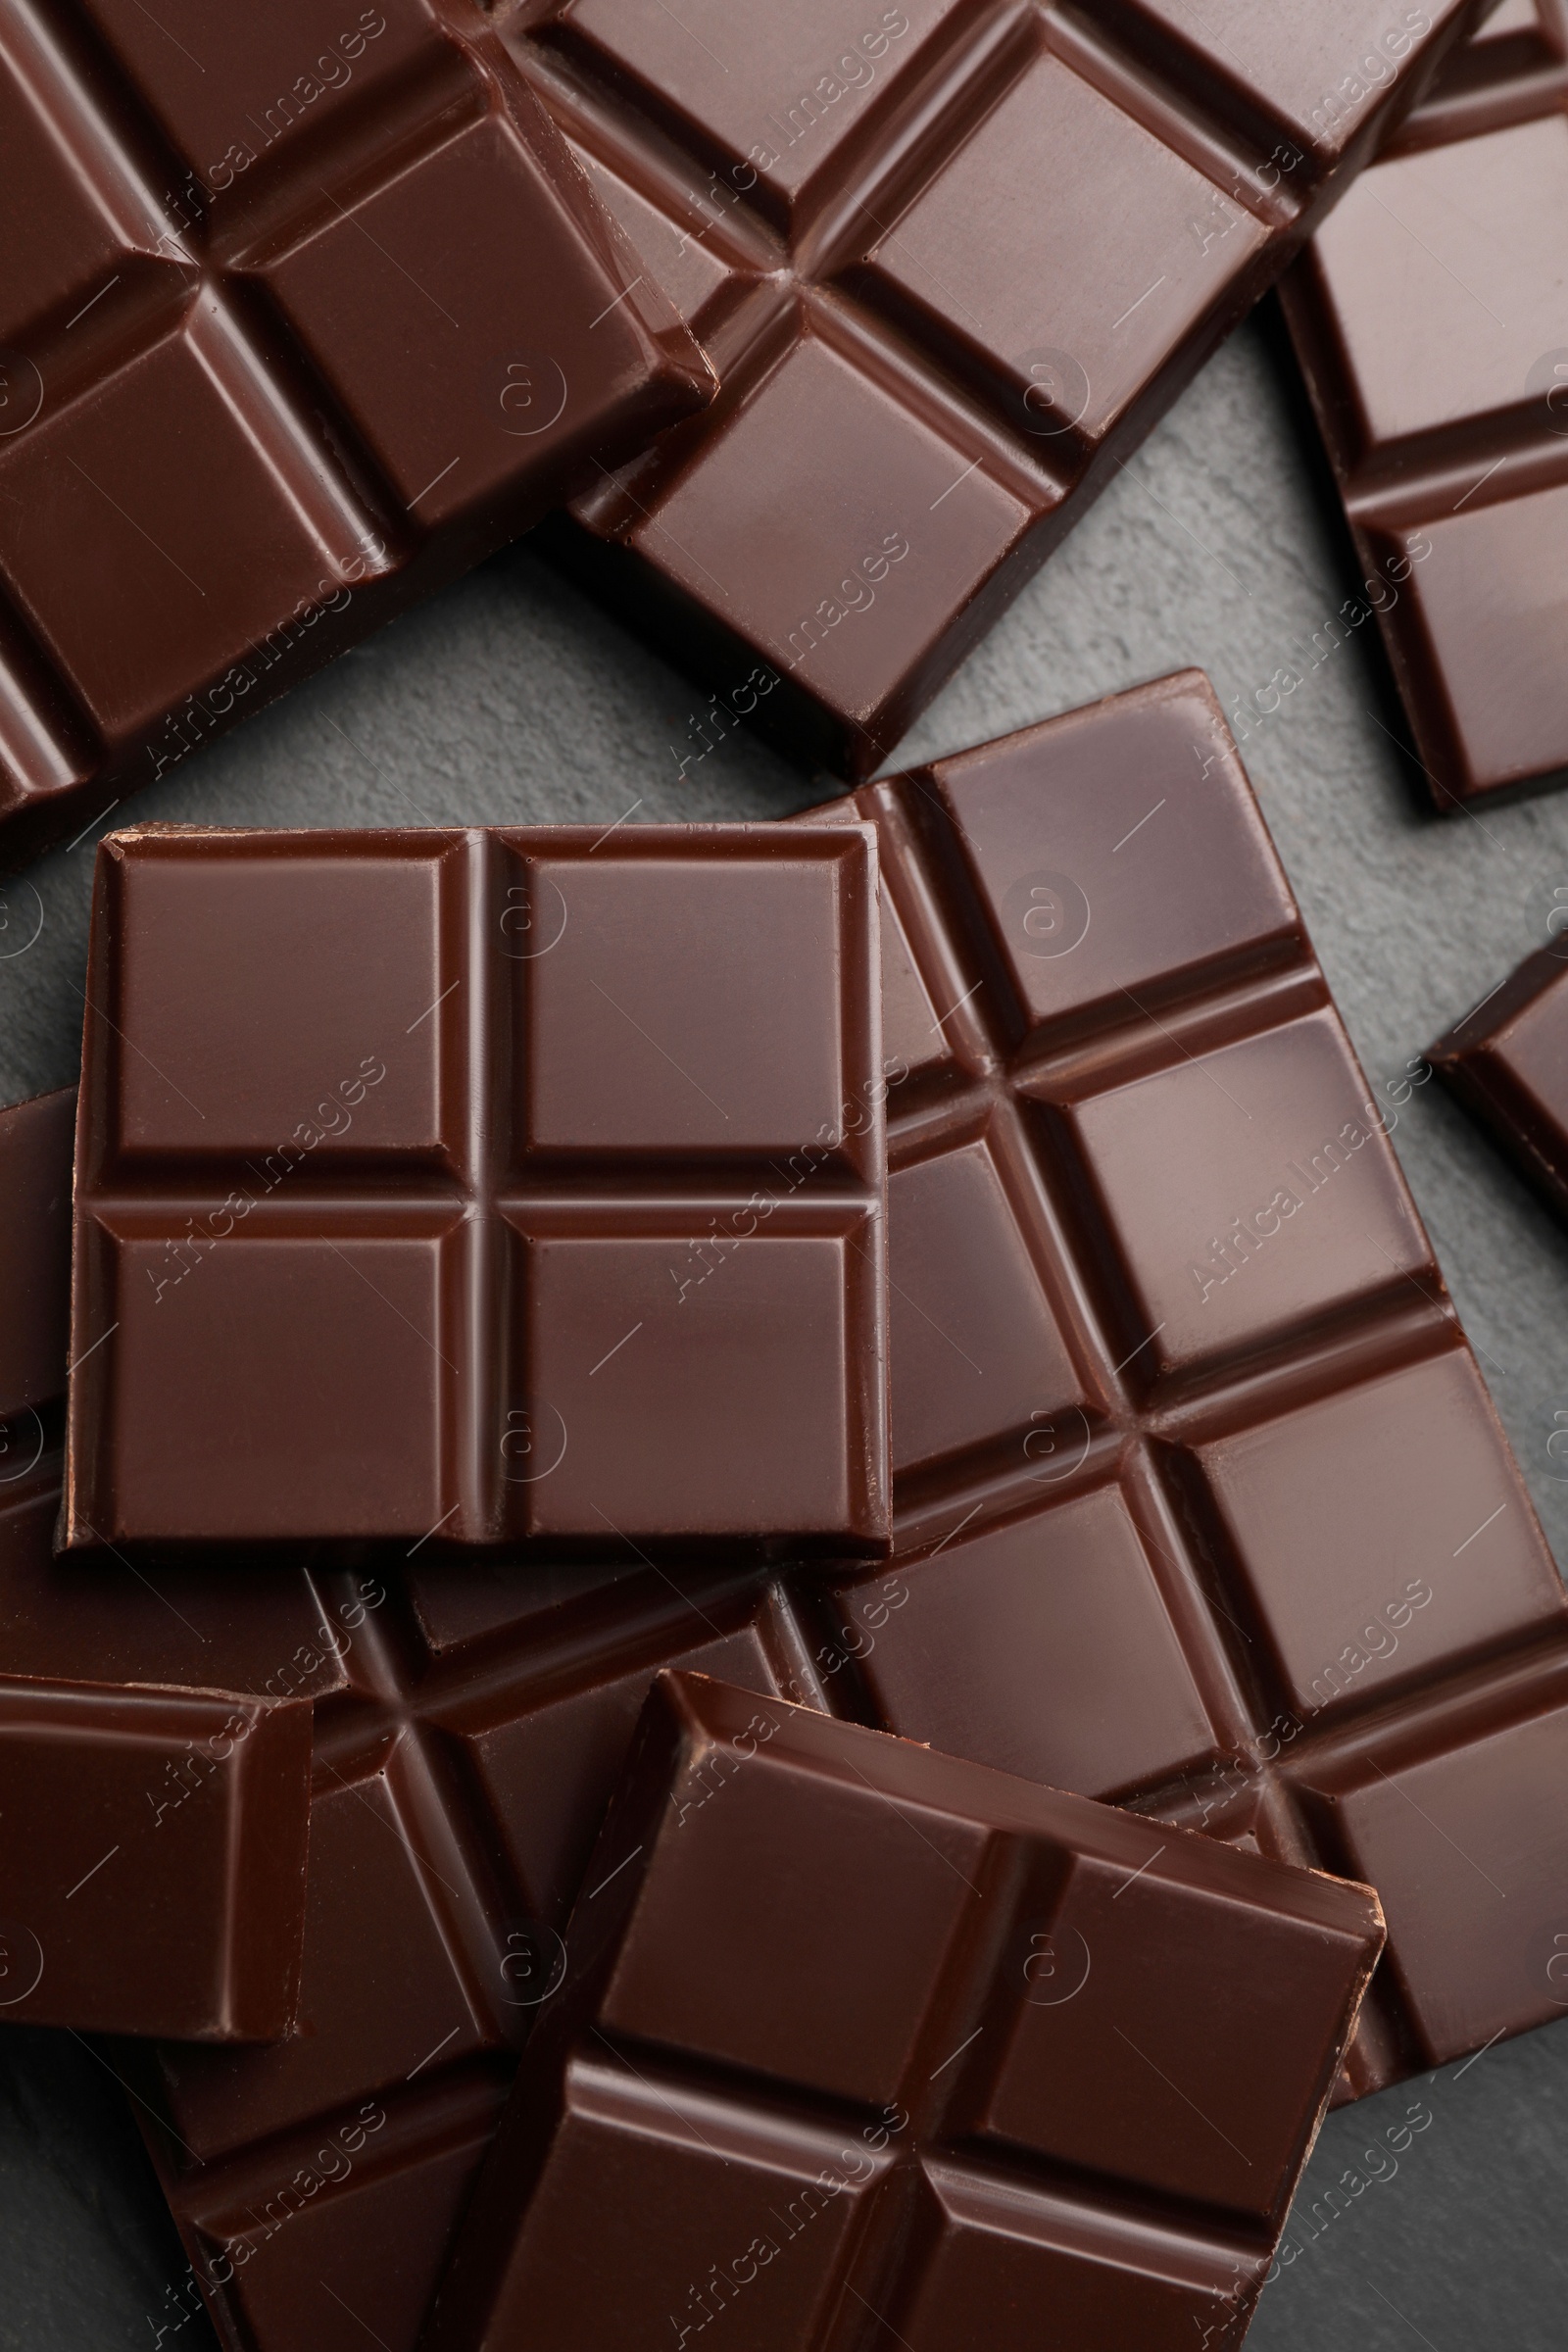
[[477, 1187], [306, 310], [952, 260]]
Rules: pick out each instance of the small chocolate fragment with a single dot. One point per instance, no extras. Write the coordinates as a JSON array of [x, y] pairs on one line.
[[866, 2044], [952, 264], [468, 1187], [1164, 1318], [1431, 320], [306, 310], [1510, 1070]]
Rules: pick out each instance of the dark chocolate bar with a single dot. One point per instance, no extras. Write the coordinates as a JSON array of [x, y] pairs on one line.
[[305, 309], [1095, 1623], [155, 1798], [858, 2046], [1507, 1062], [1200, 1502], [951, 261], [1431, 320], [471, 1187]]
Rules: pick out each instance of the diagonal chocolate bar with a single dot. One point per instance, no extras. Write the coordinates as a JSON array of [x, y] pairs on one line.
[[156, 1798], [415, 1178], [1510, 1070], [1431, 321], [306, 310], [1200, 1502], [861, 2045], [951, 262]]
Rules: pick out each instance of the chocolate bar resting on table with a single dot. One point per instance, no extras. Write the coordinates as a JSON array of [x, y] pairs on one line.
[[1431, 320], [857, 2044], [1189, 1590], [156, 1803], [306, 310], [520, 1186], [951, 262], [1507, 1062], [1200, 1502]]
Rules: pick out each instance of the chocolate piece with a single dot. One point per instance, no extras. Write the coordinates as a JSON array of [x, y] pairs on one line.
[[934, 348], [35, 1260], [1510, 1070], [1431, 321], [1072, 1630], [306, 310], [1200, 1503], [849, 2024], [152, 1839], [152, 1857], [415, 1172]]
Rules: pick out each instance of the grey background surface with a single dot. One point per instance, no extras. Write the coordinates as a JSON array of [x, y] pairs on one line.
[[511, 698]]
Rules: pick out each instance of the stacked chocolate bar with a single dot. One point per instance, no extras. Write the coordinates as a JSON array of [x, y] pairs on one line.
[[702, 1623]]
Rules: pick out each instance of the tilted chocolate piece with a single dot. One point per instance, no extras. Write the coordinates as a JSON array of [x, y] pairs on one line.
[[414, 1174], [951, 262], [306, 310], [1431, 318], [155, 1794], [1200, 1502], [1510, 1070], [862, 2045]]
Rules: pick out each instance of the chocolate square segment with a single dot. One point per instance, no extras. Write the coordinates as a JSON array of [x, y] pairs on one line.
[[482, 1186], [993, 2025]]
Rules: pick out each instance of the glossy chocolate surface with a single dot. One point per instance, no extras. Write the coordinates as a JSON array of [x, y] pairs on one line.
[[951, 262], [156, 1778], [469, 1188], [1200, 1502], [858, 2044], [1431, 318], [305, 309], [1507, 1062]]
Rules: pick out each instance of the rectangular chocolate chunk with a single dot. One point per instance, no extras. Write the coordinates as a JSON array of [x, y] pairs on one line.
[[862, 2044], [1163, 1317], [305, 309], [1507, 1062], [1431, 320], [469, 1187], [952, 264]]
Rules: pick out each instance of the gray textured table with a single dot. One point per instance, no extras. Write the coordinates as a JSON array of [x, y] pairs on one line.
[[1433, 2214]]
